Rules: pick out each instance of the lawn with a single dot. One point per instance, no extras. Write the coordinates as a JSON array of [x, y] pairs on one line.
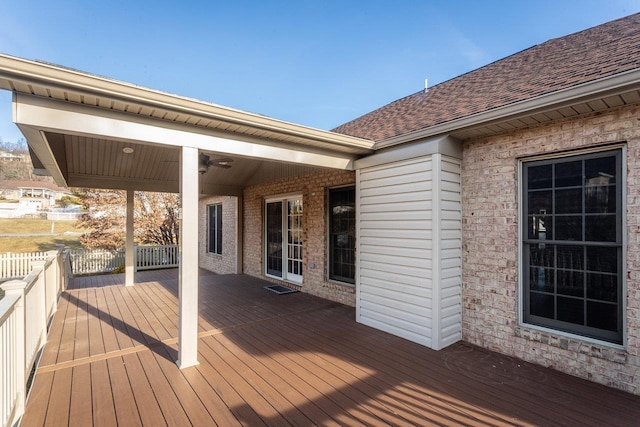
[[19, 226], [37, 243]]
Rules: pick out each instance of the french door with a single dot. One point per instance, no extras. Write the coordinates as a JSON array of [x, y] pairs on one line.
[[283, 237]]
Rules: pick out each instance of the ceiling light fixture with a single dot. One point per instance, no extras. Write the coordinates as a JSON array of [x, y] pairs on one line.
[[127, 150]]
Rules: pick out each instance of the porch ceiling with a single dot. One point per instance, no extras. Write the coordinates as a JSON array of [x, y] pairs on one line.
[[78, 124]]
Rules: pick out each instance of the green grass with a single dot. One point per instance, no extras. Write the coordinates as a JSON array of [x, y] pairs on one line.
[[35, 226], [36, 243]]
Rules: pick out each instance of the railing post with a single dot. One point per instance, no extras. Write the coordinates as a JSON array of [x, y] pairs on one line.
[[135, 257], [16, 287], [42, 266], [52, 273]]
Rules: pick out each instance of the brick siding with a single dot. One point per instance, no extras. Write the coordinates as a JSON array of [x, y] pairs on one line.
[[225, 263], [490, 242], [313, 187]]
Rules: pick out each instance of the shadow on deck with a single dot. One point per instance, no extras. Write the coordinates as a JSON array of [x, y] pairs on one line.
[[280, 360]]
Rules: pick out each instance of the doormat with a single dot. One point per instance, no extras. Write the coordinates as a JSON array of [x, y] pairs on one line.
[[280, 290]]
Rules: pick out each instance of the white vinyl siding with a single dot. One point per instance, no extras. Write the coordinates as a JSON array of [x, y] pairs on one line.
[[409, 249], [450, 252]]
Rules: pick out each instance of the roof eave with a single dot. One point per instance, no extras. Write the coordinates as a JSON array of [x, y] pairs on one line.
[[607, 86], [36, 72]]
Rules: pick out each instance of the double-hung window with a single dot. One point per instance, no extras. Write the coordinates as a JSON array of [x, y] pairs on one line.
[[342, 234], [214, 225], [572, 244]]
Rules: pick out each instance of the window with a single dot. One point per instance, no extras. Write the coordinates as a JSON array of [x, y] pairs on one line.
[[572, 244], [214, 218], [283, 237], [342, 234]]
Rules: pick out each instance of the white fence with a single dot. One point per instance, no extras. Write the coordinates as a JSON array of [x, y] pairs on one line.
[[89, 261], [25, 312], [18, 265], [154, 257]]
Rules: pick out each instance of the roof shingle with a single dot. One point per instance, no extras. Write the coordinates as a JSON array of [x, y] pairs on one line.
[[603, 51]]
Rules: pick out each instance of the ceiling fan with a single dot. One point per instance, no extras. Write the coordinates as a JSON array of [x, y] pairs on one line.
[[207, 161]]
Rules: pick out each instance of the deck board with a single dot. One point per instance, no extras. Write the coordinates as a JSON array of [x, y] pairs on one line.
[[81, 406], [104, 413], [148, 407], [280, 360]]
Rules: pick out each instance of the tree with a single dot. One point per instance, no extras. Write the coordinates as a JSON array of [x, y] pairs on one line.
[[155, 218]]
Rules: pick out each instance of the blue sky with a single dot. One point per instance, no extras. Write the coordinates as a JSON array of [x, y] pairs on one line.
[[317, 63]]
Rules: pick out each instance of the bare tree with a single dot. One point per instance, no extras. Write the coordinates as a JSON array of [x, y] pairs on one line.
[[155, 218]]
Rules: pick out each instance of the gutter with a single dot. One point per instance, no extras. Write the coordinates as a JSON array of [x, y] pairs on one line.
[[37, 73], [608, 86]]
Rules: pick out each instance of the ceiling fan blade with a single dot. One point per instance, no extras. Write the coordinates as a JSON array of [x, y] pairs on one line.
[[221, 163]]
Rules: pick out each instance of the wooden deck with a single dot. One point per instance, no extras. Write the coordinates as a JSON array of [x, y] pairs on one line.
[[280, 360]]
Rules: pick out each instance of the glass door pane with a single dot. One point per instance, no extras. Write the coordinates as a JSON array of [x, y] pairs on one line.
[[294, 240], [274, 239]]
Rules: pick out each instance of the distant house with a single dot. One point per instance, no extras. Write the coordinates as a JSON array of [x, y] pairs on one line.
[[32, 195], [500, 207], [10, 157]]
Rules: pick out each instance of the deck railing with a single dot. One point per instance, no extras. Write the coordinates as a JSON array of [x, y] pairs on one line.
[[25, 312], [88, 261], [153, 257], [17, 265]]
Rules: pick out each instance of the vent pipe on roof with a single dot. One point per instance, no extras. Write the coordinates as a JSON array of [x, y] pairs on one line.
[[426, 85]]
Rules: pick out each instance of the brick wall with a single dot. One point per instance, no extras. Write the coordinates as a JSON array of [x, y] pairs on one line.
[[225, 263], [490, 242], [313, 188]]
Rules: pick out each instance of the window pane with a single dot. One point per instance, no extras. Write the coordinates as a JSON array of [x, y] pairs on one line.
[[219, 229], [602, 316], [542, 255], [342, 229], [540, 227], [539, 177], [569, 201], [214, 225], [602, 259], [540, 202], [600, 199], [570, 257], [568, 228], [568, 174], [274, 239], [541, 305], [571, 310], [603, 287], [211, 220], [603, 167], [600, 228], [570, 283], [541, 279]]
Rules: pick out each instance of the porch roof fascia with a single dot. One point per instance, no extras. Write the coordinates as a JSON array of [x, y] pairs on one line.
[[49, 76]]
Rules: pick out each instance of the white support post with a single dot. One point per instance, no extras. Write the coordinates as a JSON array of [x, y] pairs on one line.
[[188, 287], [129, 258]]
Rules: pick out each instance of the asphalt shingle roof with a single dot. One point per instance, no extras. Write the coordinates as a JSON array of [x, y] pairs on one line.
[[602, 51]]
